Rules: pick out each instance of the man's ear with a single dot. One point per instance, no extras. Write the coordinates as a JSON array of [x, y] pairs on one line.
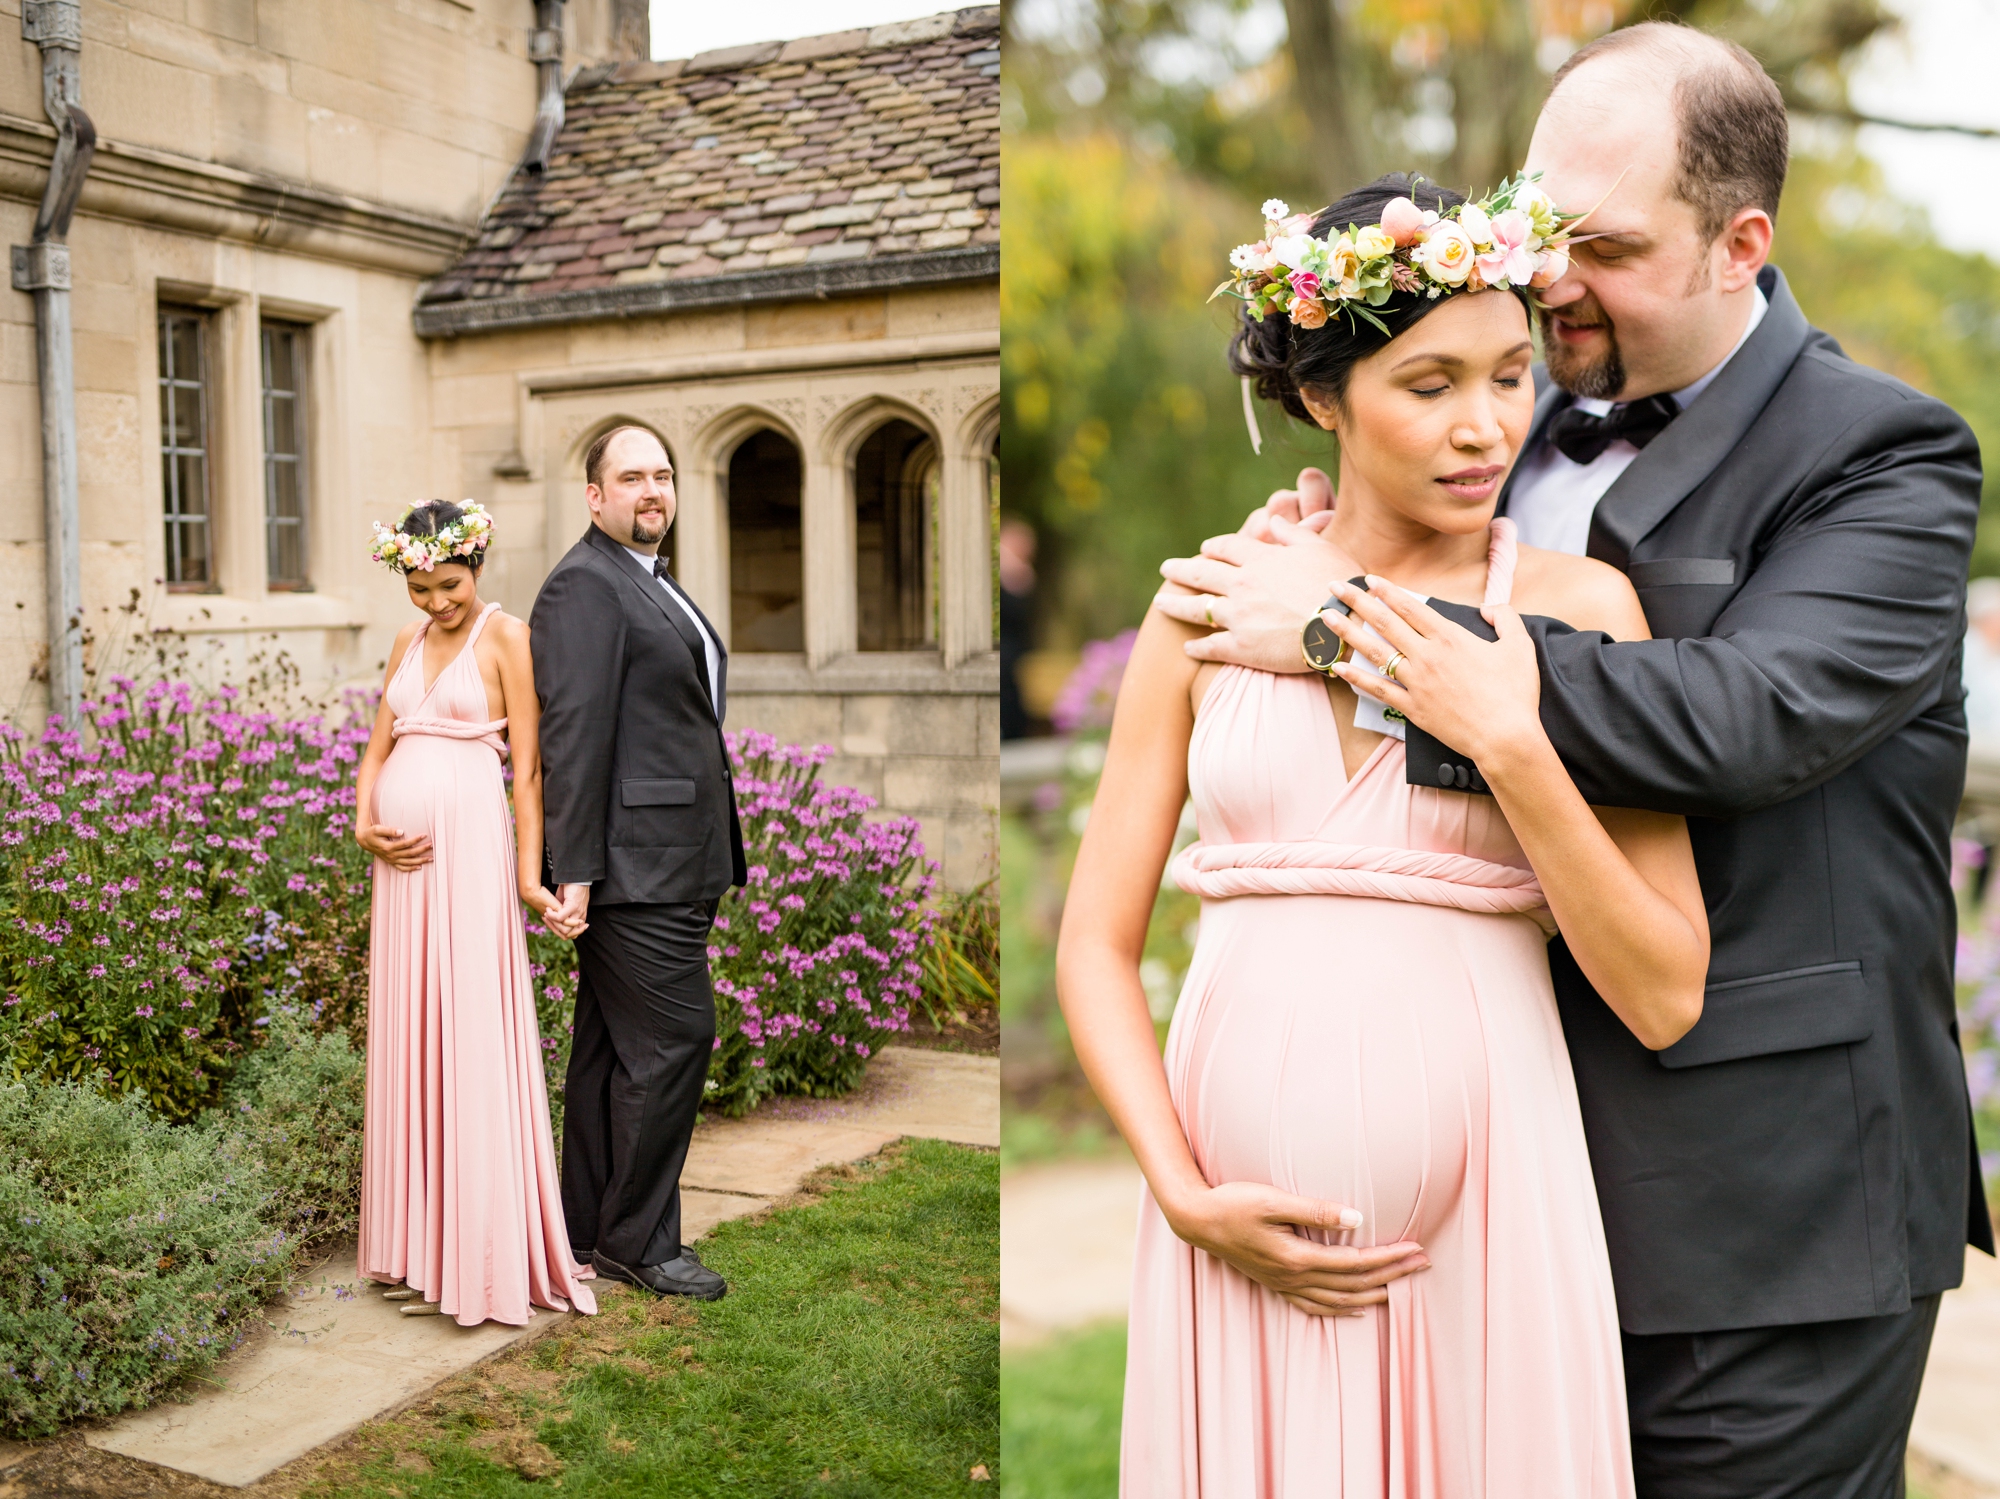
[[1746, 245]]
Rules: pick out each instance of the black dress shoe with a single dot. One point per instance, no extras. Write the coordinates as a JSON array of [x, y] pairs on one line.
[[686, 1276]]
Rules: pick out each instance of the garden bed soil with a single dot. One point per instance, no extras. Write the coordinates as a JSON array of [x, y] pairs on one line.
[[978, 1031]]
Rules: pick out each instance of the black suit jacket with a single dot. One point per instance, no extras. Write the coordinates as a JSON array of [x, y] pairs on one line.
[[1799, 539], [638, 801]]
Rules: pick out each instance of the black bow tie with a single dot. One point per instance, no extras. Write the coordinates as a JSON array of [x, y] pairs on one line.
[[1581, 437], [660, 569]]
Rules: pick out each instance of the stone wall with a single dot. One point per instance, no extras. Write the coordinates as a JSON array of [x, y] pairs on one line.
[[417, 104], [513, 411]]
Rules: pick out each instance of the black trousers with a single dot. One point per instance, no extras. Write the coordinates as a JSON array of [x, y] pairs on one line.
[[1817, 1411], [645, 1025]]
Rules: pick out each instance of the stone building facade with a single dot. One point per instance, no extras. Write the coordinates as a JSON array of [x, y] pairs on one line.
[[313, 282]]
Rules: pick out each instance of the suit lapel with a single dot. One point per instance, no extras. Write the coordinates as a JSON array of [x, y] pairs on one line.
[[1675, 463], [1549, 398], [720, 696], [682, 625]]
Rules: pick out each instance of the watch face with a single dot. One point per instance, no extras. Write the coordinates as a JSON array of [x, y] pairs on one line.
[[1324, 649]]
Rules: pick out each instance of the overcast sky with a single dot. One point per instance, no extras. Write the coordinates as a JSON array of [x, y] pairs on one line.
[[1939, 68], [681, 28]]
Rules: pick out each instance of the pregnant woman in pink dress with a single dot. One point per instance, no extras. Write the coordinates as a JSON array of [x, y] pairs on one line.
[[1370, 1263], [461, 1205]]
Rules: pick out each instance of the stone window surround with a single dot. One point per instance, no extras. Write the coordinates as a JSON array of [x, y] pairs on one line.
[[238, 599], [826, 401]]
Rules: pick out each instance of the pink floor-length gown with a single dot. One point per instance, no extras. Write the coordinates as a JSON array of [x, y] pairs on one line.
[[459, 1190], [1368, 1018]]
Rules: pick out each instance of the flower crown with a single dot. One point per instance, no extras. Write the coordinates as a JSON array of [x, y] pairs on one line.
[[464, 540], [1514, 237]]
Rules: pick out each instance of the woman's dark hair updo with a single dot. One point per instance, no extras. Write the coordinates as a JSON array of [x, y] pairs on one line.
[[1282, 359], [431, 517]]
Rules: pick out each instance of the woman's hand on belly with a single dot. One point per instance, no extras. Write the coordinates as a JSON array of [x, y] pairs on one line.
[[394, 847], [1252, 1228]]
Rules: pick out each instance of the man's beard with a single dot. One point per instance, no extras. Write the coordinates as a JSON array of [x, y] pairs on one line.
[[1597, 378], [646, 530]]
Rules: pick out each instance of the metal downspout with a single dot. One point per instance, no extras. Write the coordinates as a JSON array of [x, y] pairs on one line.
[[545, 50], [41, 268]]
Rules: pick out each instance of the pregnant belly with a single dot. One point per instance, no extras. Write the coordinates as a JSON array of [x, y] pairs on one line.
[[1345, 1049], [427, 781]]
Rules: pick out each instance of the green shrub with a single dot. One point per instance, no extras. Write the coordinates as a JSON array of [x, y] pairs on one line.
[[169, 878], [135, 1252]]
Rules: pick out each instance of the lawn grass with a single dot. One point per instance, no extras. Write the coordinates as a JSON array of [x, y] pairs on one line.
[[1059, 1411], [857, 1353]]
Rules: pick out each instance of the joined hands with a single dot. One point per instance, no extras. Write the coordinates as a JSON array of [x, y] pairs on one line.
[[563, 914]]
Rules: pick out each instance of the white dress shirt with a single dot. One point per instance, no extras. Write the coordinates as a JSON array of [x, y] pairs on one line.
[[713, 657], [1554, 496]]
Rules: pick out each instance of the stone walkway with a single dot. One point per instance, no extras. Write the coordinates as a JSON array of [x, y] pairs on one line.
[[1066, 1235], [344, 1356]]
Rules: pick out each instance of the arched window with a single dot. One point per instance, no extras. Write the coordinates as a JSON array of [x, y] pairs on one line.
[[895, 539], [766, 556]]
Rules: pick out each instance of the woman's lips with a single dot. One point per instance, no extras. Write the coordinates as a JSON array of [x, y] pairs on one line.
[[1473, 483]]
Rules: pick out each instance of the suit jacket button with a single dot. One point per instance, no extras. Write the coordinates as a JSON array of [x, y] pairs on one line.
[[1444, 775], [1462, 777]]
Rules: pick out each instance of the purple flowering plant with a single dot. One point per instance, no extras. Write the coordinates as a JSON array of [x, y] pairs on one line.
[[1090, 692], [817, 959], [160, 862], [1978, 974]]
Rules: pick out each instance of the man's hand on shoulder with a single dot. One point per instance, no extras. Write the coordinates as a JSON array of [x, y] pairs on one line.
[[1255, 595], [1310, 506]]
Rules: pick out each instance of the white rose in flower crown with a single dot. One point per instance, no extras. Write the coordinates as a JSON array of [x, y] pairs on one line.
[[1447, 254], [1294, 251], [1472, 219], [1372, 244]]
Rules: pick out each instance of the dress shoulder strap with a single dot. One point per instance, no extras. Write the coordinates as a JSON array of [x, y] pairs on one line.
[[1501, 554], [479, 624]]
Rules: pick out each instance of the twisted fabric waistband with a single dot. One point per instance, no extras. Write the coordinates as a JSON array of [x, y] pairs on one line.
[[487, 734], [1217, 871]]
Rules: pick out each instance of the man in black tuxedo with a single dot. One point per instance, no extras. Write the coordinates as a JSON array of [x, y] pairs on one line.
[[642, 840], [1788, 1189]]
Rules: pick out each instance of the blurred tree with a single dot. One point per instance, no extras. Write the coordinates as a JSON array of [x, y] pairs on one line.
[[1122, 434], [1140, 137]]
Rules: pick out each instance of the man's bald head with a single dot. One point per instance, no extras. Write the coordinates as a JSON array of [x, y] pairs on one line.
[[1733, 138]]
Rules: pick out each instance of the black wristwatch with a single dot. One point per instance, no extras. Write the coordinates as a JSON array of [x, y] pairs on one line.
[[1323, 649]]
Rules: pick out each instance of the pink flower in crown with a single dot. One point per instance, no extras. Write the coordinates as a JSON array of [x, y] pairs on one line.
[[1402, 221], [1511, 258], [1305, 283], [1550, 267]]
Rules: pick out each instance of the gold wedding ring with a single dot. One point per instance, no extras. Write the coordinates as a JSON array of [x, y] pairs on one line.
[[1389, 670]]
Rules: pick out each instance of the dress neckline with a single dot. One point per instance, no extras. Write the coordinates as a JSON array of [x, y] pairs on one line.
[[417, 650]]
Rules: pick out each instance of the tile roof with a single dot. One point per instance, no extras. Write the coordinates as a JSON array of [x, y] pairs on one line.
[[783, 169]]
